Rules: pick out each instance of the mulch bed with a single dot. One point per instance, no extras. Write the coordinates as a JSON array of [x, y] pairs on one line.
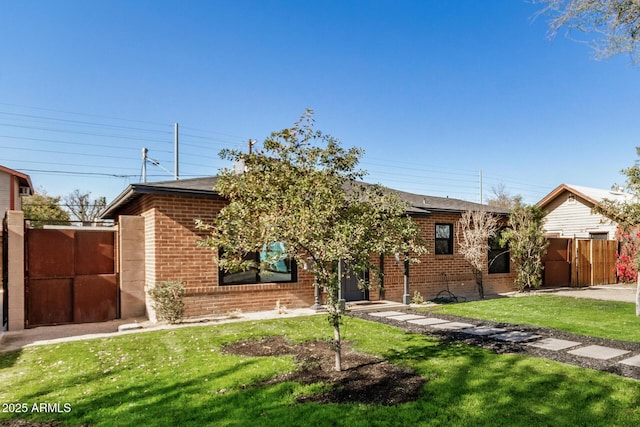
[[364, 378]]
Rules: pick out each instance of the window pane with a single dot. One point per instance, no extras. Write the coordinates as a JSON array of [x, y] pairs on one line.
[[444, 239], [241, 277], [442, 246], [499, 261], [275, 266], [443, 231]]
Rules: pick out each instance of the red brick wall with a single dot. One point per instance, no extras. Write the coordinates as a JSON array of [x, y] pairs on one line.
[[172, 253], [431, 275]]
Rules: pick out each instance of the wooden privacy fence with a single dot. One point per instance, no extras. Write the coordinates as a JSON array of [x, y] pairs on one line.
[[580, 262], [596, 262]]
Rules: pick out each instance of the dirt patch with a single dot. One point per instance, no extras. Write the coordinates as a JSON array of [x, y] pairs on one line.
[[364, 378]]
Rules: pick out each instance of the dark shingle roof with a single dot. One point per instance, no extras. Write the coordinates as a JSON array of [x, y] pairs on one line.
[[203, 187]]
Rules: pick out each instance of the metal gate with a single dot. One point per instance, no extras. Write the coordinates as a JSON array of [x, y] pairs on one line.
[[70, 276]]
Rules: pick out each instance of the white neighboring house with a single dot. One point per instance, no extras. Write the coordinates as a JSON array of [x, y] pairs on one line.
[[13, 186], [569, 212]]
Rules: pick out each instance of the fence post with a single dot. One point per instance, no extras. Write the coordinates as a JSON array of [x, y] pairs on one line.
[[131, 259], [15, 270]]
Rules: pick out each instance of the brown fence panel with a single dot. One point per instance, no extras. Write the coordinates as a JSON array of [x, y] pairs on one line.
[[50, 253], [94, 252], [95, 298], [49, 301], [596, 262], [71, 276], [584, 262], [557, 266], [603, 261]]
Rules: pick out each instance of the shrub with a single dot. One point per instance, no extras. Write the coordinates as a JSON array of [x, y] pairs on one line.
[[167, 300], [626, 257], [417, 298]]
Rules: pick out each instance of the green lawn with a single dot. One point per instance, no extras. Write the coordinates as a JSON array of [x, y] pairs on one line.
[[604, 319], [180, 377]]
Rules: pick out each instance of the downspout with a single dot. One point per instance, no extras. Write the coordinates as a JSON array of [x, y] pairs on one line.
[[406, 298]]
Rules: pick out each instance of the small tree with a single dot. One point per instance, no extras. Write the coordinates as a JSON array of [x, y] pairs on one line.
[[301, 190], [83, 207], [40, 209], [502, 198], [527, 245], [476, 228]]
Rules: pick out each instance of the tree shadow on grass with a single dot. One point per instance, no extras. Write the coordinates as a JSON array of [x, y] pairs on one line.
[[509, 389]]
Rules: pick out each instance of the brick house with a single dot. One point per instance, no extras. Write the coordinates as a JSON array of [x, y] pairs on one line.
[[164, 214]]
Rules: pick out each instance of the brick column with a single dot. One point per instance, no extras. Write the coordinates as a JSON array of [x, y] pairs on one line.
[[15, 280], [132, 266]]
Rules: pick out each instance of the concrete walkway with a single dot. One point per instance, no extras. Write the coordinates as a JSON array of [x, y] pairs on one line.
[[10, 341], [514, 335]]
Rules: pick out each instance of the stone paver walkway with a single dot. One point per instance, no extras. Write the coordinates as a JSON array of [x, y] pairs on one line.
[[512, 336]]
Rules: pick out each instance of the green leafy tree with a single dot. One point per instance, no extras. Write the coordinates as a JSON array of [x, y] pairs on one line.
[[40, 209], [527, 245], [83, 207], [301, 190], [615, 24]]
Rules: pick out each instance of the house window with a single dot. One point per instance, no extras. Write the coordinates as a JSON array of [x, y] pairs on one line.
[[599, 236], [498, 256], [444, 239], [273, 266]]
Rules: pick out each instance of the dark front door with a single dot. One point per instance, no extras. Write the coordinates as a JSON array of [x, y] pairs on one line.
[[351, 291]]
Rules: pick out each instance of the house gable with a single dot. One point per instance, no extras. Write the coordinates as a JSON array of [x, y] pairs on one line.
[[570, 215], [13, 185]]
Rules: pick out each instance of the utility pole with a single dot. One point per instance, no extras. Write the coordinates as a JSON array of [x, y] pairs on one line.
[[480, 186], [144, 164], [176, 175], [252, 142]]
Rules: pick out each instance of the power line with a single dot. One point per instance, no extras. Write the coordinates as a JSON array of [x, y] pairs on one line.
[[83, 114], [78, 132], [85, 144], [84, 123]]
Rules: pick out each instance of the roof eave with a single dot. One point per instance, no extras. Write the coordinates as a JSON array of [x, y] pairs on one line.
[[558, 190], [135, 190]]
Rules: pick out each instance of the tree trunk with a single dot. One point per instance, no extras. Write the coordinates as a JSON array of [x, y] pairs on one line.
[[338, 346], [478, 276], [638, 296]]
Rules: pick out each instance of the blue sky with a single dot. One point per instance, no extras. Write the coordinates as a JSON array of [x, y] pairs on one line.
[[433, 91]]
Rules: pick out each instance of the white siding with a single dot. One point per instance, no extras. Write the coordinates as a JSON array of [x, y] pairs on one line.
[[5, 193], [573, 218]]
